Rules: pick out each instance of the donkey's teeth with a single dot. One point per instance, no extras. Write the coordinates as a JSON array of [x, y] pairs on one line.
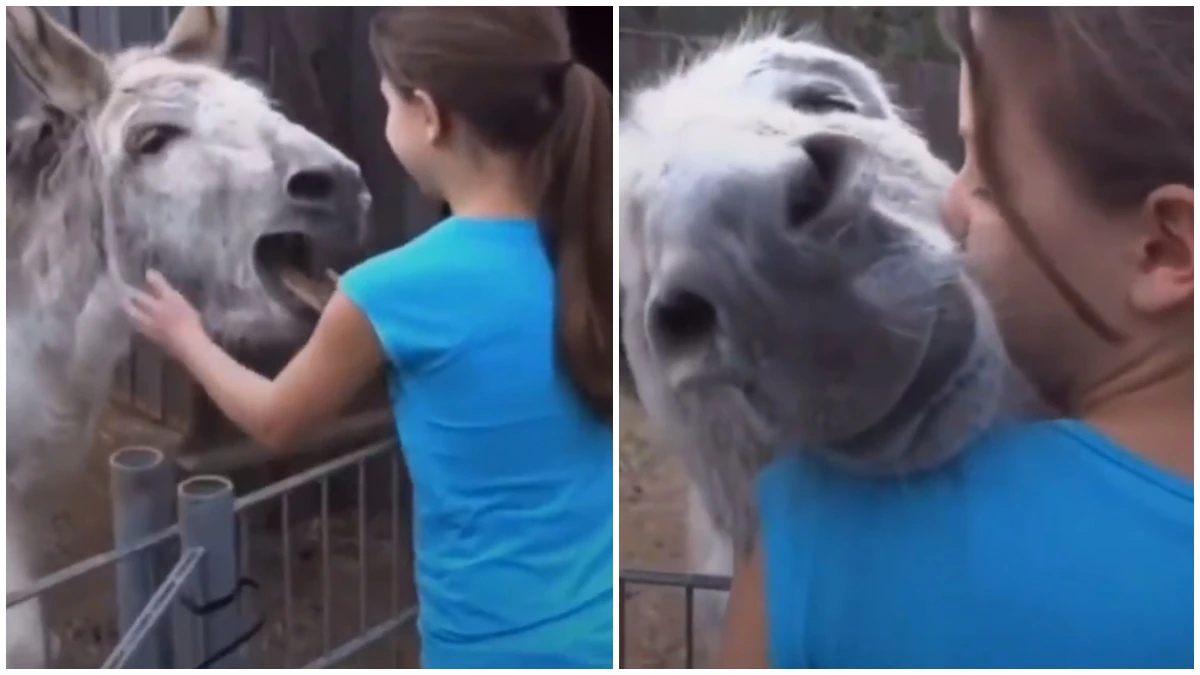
[[314, 293]]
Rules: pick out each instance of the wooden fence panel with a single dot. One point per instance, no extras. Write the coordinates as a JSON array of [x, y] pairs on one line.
[[928, 92], [317, 64]]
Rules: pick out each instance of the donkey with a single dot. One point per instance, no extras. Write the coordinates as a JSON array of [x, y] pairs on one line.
[[154, 157], [786, 282]]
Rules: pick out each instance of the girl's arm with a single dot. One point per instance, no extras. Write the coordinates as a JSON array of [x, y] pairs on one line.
[[342, 354], [744, 644]]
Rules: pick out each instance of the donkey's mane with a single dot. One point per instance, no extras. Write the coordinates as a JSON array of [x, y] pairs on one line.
[[58, 226]]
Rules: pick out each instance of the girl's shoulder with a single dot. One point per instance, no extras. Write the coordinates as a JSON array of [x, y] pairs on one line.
[[1053, 458], [1028, 511]]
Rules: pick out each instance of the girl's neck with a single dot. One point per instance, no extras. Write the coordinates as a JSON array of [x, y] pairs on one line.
[[1155, 420], [491, 193]]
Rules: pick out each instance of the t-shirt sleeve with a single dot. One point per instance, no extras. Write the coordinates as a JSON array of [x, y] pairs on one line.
[[788, 492], [405, 301]]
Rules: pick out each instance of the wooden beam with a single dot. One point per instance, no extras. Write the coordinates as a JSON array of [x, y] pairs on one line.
[[245, 453]]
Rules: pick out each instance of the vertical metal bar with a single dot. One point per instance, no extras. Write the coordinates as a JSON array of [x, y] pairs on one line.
[[362, 546], [142, 487], [395, 464], [207, 521], [287, 580], [326, 611], [689, 602], [244, 566]]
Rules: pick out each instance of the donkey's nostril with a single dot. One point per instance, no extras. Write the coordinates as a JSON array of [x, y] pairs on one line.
[[824, 179], [311, 185], [683, 316]]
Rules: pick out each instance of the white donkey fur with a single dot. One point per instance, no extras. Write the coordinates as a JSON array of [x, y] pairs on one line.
[[786, 283], [155, 157]]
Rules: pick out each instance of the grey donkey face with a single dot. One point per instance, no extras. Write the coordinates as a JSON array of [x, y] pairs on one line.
[[181, 167], [782, 259]]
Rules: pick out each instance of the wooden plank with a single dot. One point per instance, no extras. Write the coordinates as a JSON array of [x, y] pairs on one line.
[[399, 210], [139, 26], [148, 380], [60, 14], [356, 430], [17, 94], [180, 398], [98, 27]]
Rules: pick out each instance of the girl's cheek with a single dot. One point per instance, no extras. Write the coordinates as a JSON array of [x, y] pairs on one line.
[[955, 210]]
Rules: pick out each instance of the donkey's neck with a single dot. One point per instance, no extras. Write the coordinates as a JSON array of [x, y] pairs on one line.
[[62, 357], [66, 330]]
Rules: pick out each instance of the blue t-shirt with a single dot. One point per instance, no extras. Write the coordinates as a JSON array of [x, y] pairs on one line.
[[1044, 546], [512, 475]]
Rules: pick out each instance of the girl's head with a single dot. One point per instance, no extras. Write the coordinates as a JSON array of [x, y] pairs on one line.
[[490, 99], [1075, 201]]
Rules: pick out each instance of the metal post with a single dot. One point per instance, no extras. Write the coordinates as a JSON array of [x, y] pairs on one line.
[[141, 483], [207, 520]]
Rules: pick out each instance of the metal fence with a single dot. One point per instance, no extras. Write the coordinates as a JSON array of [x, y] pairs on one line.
[[688, 584], [187, 594]]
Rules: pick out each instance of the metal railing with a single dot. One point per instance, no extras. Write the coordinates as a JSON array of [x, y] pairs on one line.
[[688, 583], [184, 557]]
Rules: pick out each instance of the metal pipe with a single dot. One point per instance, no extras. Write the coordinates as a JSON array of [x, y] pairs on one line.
[[151, 618], [206, 520], [141, 484]]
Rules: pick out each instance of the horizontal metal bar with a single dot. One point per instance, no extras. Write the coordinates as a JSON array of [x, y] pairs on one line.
[[365, 640], [702, 582], [312, 475], [246, 502], [155, 609], [86, 566]]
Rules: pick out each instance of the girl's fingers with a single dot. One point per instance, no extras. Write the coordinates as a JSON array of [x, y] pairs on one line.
[[143, 302], [159, 284], [137, 315]]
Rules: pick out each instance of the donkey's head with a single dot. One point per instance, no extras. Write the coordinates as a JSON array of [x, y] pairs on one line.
[[786, 276], [158, 158]]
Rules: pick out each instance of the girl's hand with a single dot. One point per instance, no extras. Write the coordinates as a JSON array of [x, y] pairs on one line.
[[162, 314]]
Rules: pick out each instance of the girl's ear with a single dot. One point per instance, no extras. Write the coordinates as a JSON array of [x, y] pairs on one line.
[[435, 123]]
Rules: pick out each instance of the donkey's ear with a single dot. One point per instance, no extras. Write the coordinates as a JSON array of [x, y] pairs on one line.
[[58, 65], [199, 34]]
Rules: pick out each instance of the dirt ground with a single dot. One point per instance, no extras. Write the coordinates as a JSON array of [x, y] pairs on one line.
[[652, 537], [77, 524]]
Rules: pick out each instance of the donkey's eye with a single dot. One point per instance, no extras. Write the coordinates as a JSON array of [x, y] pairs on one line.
[[153, 139], [819, 102], [821, 97]]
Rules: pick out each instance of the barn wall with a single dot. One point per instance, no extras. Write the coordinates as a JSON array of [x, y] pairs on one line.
[[316, 63]]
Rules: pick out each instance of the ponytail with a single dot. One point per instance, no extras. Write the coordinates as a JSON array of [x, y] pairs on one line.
[[577, 229], [506, 72]]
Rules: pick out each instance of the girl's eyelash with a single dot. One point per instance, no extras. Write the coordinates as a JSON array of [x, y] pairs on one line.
[[981, 192]]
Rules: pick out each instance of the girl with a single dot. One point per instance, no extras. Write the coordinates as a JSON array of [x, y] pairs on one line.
[[1064, 543], [495, 330]]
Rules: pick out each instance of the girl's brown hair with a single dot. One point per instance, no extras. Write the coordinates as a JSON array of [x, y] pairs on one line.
[[1116, 100], [508, 74]]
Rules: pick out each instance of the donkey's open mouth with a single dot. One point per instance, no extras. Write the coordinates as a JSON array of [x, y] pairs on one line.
[[286, 264]]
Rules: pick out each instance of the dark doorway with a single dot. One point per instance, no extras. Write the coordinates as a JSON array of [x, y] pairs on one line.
[[592, 39]]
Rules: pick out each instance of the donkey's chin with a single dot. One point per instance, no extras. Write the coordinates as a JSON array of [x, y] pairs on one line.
[[284, 262]]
